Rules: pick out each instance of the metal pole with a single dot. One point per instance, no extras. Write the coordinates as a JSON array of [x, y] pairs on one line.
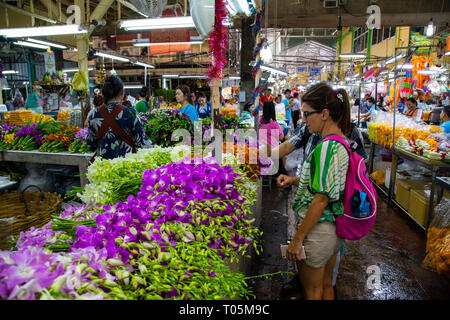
[[359, 107], [395, 96]]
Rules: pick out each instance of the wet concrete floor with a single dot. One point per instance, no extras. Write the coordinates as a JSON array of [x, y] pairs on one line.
[[396, 245]]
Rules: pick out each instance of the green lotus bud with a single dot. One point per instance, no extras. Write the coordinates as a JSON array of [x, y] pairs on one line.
[[114, 262], [143, 268]]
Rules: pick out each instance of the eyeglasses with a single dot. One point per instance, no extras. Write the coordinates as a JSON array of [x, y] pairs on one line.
[[306, 114]]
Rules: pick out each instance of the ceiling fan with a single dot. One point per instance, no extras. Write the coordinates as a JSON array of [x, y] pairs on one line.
[[151, 8]]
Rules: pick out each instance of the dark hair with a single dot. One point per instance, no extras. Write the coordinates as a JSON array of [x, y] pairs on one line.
[[371, 99], [321, 96], [186, 91], [412, 100], [98, 100], [112, 87], [287, 90], [201, 95], [143, 92], [247, 106], [268, 112], [296, 95], [446, 110]]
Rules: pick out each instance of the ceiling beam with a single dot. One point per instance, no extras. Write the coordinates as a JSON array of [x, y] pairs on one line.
[[53, 8], [28, 13]]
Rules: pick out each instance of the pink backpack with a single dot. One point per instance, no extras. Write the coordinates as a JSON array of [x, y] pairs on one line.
[[360, 198]]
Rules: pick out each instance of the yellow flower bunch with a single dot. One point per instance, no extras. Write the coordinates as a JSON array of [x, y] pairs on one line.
[[9, 138]]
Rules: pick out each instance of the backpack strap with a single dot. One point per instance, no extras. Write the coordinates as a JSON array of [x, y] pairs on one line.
[[109, 121], [335, 137]]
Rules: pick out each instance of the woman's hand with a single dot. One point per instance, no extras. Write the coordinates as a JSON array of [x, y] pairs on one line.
[[293, 250], [284, 181]]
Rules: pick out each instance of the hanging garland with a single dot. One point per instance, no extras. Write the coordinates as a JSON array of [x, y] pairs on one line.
[[256, 29], [218, 42]]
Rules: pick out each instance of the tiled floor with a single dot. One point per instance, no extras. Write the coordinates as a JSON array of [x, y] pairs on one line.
[[396, 245]]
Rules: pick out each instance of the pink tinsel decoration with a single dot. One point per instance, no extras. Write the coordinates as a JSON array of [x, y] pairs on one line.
[[218, 42]]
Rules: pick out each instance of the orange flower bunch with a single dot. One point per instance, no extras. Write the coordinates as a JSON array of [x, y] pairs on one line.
[[438, 250], [248, 156]]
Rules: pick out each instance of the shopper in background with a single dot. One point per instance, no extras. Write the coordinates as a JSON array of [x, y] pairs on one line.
[[269, 130], [202, 106], [183, 96], [280, 108], [296, 106], [142, 105], [9, 104], [270, 133], [97, 102], [246, 114], [267, 96], [113, 129], [160, 103], [445, 118], [321, 186], [287, 97], [413, 109]]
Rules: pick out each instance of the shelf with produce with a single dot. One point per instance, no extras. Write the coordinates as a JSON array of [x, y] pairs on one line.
[[435, 166]]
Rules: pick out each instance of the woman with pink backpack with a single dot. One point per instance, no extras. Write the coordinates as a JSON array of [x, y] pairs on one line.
[[327, 210]]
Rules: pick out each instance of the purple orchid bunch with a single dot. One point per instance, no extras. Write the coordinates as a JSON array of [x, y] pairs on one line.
[[35, 273], [6, 128], [30, 130], [82, 134], [167, 196]]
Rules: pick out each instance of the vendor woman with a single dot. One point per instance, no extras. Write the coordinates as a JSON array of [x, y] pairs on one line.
[[445, 117], [183, 96], [413, 109]]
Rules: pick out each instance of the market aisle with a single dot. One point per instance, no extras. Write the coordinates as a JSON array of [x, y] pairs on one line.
[[395, 244]]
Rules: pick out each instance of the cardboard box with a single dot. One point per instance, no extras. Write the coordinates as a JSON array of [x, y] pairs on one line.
[[418, 205]]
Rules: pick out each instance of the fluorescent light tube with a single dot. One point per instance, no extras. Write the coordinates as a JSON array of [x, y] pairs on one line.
[[144, 64], [50, 44], [42, 31], [114, 57], [132, 86], [157, 23], [75, 70], [10, 72], [270, 69], [31, 44], [234, 78], [391, 60], [405, 66], [243, 4], [170, 76], [353, 55], [149, 44], [192, 77]]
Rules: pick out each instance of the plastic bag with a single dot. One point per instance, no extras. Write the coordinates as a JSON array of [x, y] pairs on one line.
[[18, 101], [438, 240], [80, 81], [33, 101], [293, 159]]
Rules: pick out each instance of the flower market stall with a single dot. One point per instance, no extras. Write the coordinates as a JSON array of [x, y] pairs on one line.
[[150, 227], [27, 138], [425, 146]]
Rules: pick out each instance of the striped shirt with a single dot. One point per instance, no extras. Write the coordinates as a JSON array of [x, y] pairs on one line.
[[324, 171]]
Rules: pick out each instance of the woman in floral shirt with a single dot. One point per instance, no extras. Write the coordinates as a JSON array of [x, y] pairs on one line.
[[112, 146]]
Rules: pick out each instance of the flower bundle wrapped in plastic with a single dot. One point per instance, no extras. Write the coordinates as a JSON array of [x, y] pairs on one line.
[[28, 137]]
